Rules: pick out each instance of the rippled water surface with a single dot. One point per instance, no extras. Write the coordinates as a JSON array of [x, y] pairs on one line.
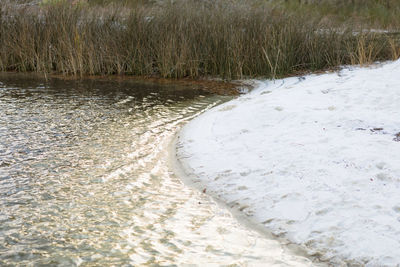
[[84, 180]]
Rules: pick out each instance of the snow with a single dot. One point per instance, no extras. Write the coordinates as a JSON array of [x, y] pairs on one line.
[[314, 159]]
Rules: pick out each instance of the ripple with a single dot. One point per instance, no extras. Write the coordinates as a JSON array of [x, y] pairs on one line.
[[84, 179]]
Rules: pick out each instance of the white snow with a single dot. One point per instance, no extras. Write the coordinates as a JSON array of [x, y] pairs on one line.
[[315, 159]]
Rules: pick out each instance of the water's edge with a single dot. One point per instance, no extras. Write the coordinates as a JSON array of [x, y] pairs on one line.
[[86, 177], [186, 174]]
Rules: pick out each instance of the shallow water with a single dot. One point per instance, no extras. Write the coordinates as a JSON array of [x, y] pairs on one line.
[[85, 180]]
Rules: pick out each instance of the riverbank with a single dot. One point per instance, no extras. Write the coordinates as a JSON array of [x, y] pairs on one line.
[[210, 85], [314, 159]]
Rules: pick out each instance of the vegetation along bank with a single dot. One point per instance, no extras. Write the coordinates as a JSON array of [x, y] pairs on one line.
[[176, 39]]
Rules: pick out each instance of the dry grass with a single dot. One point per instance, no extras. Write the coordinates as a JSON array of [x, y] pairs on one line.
[[227, 39], [379, 14]]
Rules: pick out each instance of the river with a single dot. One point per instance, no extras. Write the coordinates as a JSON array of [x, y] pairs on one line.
[[85, 180]]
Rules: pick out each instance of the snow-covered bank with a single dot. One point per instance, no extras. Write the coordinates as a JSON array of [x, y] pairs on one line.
[[315, 159]]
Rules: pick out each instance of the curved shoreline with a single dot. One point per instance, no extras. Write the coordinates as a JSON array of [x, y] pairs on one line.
[[187, 176], [313, 159]]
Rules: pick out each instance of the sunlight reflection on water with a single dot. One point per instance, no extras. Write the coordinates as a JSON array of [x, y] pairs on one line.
[[84, 179]]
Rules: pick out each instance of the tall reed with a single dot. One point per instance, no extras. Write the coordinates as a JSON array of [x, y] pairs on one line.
[[228, 39]]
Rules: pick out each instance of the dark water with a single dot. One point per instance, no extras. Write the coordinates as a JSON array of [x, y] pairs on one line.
[[84, 180]]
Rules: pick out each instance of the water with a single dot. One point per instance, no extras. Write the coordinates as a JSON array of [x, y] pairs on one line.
[[85, 180]]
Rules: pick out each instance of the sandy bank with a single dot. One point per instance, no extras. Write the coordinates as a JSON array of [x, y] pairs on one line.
[[314, 159]]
